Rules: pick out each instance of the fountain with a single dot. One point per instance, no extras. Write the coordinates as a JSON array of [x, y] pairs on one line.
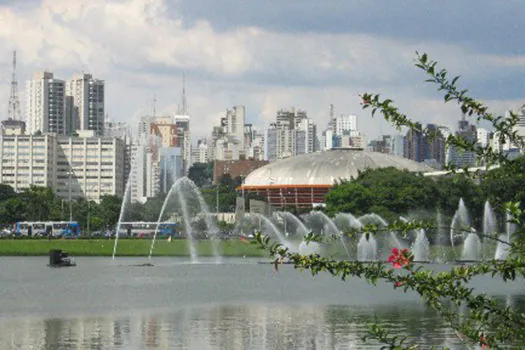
[[308, 248], [503, 245], [349, 221], [265, 222], [127, 194], [367, 248], [441, 238], [302, 230], [460, 221], [421, 247], [331, 228], [460, 229], [374, 218], [502, 248], [489, 226], [510, 227], [305, 248], [126, 199], [471, 247], [489, 220], [176, 195]]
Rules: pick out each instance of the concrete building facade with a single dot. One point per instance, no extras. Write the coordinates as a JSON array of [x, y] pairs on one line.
[[46, 104], [88, 167], [88, 100]]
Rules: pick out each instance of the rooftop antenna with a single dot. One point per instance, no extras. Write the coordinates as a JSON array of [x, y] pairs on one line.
[[184, 106], [154, 106], [14, 102]]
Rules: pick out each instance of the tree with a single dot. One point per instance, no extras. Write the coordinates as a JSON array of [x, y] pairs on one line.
[[452, 188], [151, 209], [6, 192], [386, 191], [505, 183], [109, 210], [12, 210], [486, 323], [201, 174], [39, 203]]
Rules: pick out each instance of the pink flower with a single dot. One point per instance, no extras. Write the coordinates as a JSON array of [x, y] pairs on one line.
[[398, 284], [365, 101], [399, 259], [483, 342]]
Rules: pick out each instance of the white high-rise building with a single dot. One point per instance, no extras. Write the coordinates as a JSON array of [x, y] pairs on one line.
[[144, 173], [182, 123], [88, 167], [345, 124], [235, 124], [483, 137], [88, 100], [46, 104], [292, 134], [310, 130], [520, 127], [328, 139], [201, 153]]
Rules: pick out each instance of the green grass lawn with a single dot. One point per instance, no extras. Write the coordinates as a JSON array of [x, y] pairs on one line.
[[126, 247], [141, 247]]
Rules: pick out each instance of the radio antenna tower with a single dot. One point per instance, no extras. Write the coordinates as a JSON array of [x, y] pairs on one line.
[[14, 102], [184, 105], [154, 106]]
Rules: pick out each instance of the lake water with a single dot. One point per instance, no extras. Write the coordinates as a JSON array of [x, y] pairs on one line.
[[240, 304]]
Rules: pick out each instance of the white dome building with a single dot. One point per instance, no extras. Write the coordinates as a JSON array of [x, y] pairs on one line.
[[303, 181]]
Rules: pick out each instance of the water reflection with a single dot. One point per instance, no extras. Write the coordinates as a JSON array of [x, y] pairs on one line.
[[250, 326]]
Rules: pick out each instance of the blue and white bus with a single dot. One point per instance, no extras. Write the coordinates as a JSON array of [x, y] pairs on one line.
[[47, 228], [147, 229]]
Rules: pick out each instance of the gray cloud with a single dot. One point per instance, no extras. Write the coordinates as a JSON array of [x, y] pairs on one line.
[[268, 55], [482, 25]]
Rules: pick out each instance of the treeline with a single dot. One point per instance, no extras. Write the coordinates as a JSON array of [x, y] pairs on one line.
[[41, 204], [387, 192], [390, 192]]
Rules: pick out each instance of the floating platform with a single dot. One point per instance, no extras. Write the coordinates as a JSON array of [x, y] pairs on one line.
[[58, 258]]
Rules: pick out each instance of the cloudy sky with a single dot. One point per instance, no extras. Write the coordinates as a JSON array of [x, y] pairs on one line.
[[269, 54]]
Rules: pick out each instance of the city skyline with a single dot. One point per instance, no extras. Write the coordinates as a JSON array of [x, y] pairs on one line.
[[327, 55]]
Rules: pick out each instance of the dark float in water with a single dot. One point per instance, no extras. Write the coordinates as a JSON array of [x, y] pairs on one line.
[[58, 258]]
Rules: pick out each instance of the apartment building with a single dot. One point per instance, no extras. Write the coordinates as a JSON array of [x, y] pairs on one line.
[[74, 167], [87, 96], [89, 167], [46, 104], [27, 160]]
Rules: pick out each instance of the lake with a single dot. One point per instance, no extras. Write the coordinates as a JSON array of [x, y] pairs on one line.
[[239, 304]]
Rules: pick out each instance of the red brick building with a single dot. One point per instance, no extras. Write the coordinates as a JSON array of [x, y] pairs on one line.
[[235, 168]]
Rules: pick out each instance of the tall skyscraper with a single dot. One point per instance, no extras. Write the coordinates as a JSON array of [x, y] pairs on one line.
[[235, 124], [292, 134], [459, 157], [345, 124], [425, 145], [183, 139], [46, 104], [88, 100]]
